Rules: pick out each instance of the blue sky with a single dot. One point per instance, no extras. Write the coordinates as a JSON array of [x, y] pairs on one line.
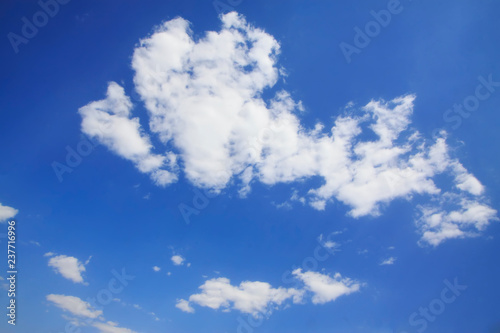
[[174, 170]]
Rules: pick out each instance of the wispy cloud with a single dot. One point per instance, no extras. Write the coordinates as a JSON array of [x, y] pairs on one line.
[[388, 261], [111, 327], [74, 305], [82, 309]]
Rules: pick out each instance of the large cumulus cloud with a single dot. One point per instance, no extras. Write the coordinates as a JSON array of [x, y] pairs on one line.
[[205, 103]]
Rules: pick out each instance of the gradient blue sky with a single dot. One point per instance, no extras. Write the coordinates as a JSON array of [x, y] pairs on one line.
[[108, 210]]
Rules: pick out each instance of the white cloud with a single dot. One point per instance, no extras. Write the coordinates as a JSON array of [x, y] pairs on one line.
[[69, 267], [80, 308], [184, 306], [325, 288], [328, 243], [388, 261], [7, 212], [74, 305], [248, 297], [205, 104], [465, 181], [73, 320], [466, 220], [258, 297], [111, 327], [156, 268], [109, 121], [178, 260]]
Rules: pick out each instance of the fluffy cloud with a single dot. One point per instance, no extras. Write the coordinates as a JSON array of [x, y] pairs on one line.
[[7, 212], [248, 297], [156, 268], [466, 220], [109, 122], [325, 288], [258, 297], [69, 267], [178, 260], [74, 305], [183, 305], [205, 103]]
